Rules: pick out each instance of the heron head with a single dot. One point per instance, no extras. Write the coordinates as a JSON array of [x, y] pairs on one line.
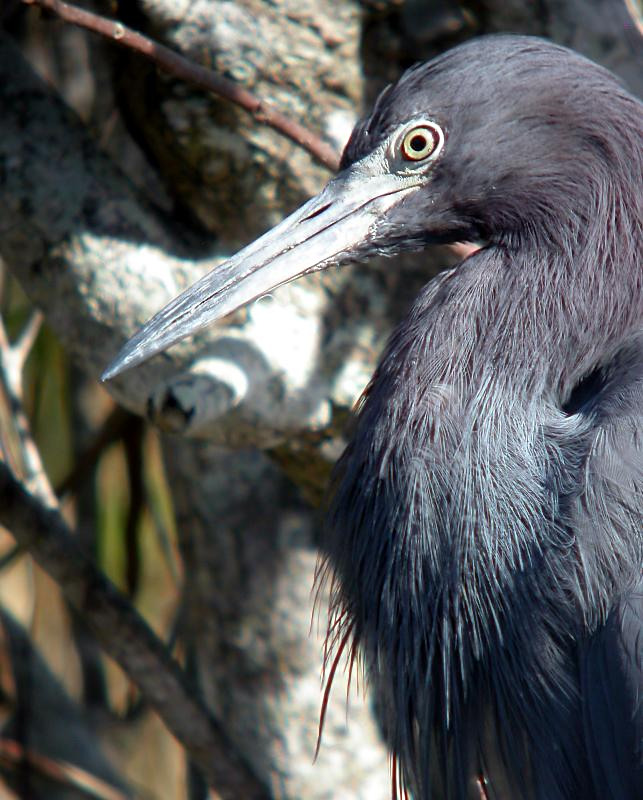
[[529, 136]]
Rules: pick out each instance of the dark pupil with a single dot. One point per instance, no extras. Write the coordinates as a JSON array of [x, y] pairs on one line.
[[418, 143]]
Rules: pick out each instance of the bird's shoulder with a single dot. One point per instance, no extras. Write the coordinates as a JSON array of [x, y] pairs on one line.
[[611, 400]]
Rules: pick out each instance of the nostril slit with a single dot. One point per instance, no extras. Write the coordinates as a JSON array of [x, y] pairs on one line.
[[316, 213]]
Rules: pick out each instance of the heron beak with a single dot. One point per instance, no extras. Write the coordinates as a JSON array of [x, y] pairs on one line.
[[330, 225]]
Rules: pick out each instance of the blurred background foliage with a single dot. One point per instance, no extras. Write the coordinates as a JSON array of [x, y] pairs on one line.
[[106, 465]]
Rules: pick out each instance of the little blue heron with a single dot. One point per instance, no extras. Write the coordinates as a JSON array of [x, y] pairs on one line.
[[485, 528]]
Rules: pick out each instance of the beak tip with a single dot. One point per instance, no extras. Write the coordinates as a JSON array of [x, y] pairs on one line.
[[112, 371], [125, 359]]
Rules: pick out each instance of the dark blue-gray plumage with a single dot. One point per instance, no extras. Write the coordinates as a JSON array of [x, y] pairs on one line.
[[485, 536]]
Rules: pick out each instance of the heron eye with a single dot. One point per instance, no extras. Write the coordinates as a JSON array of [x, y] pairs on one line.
[[421, 142]]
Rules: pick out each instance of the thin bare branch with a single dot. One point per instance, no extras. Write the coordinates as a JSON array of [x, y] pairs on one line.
[[126, 637], [14, 755], [13, 356], [27, 338], [12, 362], [181, 67]]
